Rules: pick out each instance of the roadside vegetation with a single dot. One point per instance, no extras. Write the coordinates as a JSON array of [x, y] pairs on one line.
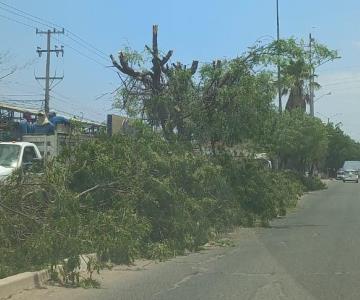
[[184, 172]]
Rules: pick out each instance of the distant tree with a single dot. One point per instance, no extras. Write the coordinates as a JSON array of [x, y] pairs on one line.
[[300, 141], [341, 148]]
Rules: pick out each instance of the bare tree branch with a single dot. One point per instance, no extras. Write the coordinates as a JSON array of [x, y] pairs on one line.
[[94, 188]]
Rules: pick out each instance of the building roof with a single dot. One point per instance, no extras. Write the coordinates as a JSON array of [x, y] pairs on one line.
[[33, 111], [17, 143], [7, 106]]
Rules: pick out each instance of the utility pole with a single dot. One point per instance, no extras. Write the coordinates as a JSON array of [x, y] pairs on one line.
[[48, 51], [278, 65], [311, 84]]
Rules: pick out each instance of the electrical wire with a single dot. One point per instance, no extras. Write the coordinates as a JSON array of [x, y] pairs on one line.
[[342, 82], [87, 43], [89, 49], [20, 95], [25, 17], [17, 21], [50, 24], [20, 100], [67, 102], [85, 55], [30, 15]]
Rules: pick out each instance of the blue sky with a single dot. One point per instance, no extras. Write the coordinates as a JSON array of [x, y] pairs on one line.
[[201, 30]]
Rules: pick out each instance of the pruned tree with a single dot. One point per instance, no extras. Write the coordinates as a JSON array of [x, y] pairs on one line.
[[147, 88]]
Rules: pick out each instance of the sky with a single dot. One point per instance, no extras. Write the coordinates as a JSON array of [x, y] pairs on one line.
[[195, 30]]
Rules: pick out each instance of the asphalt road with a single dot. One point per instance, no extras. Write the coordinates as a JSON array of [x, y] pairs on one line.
[[313, 253]]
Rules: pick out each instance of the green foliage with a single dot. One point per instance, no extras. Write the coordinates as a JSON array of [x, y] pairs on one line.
[[233, 104], [87, 283], [299, 140], [341, 148], [308, 183], [132, 196]]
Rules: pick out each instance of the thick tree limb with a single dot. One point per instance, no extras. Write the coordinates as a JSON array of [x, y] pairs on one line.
[[126, 68], [155, 48], [116, 64], [194, 67], [166, 58]]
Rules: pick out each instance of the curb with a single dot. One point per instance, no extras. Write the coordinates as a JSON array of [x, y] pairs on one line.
[[31, 280], [23, 281]]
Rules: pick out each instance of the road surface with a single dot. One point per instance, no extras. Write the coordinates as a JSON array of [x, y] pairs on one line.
[[313, 253]]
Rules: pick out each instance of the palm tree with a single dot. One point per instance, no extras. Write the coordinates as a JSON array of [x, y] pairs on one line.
[[296, 84], [295, 75]]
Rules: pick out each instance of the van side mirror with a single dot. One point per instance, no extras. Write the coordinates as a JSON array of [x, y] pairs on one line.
[[27, 166]]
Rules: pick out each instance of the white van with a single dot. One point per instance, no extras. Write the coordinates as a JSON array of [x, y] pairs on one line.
[[15, 155]]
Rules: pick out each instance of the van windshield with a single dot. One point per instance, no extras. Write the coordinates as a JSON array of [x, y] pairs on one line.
[[9, 155]]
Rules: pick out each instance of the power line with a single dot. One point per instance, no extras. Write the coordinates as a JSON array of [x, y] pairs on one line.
[[30, 15], [342, 82], [345, 89], [71, 103], [20, 95], [25, 17], [85, 55], [60, 95], [20, 100], [73, 115], [47, 23], [88, 48], [74, 49], [17, 21], [87, 43], [81, 53]]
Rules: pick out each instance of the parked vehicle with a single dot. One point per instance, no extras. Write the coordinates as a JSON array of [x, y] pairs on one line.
[[51, 145], [340, 174], [351, 175], [351, 165], [15, 155]]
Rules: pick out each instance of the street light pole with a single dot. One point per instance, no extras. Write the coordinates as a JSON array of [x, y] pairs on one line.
[[278, 62], [311, 78]]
